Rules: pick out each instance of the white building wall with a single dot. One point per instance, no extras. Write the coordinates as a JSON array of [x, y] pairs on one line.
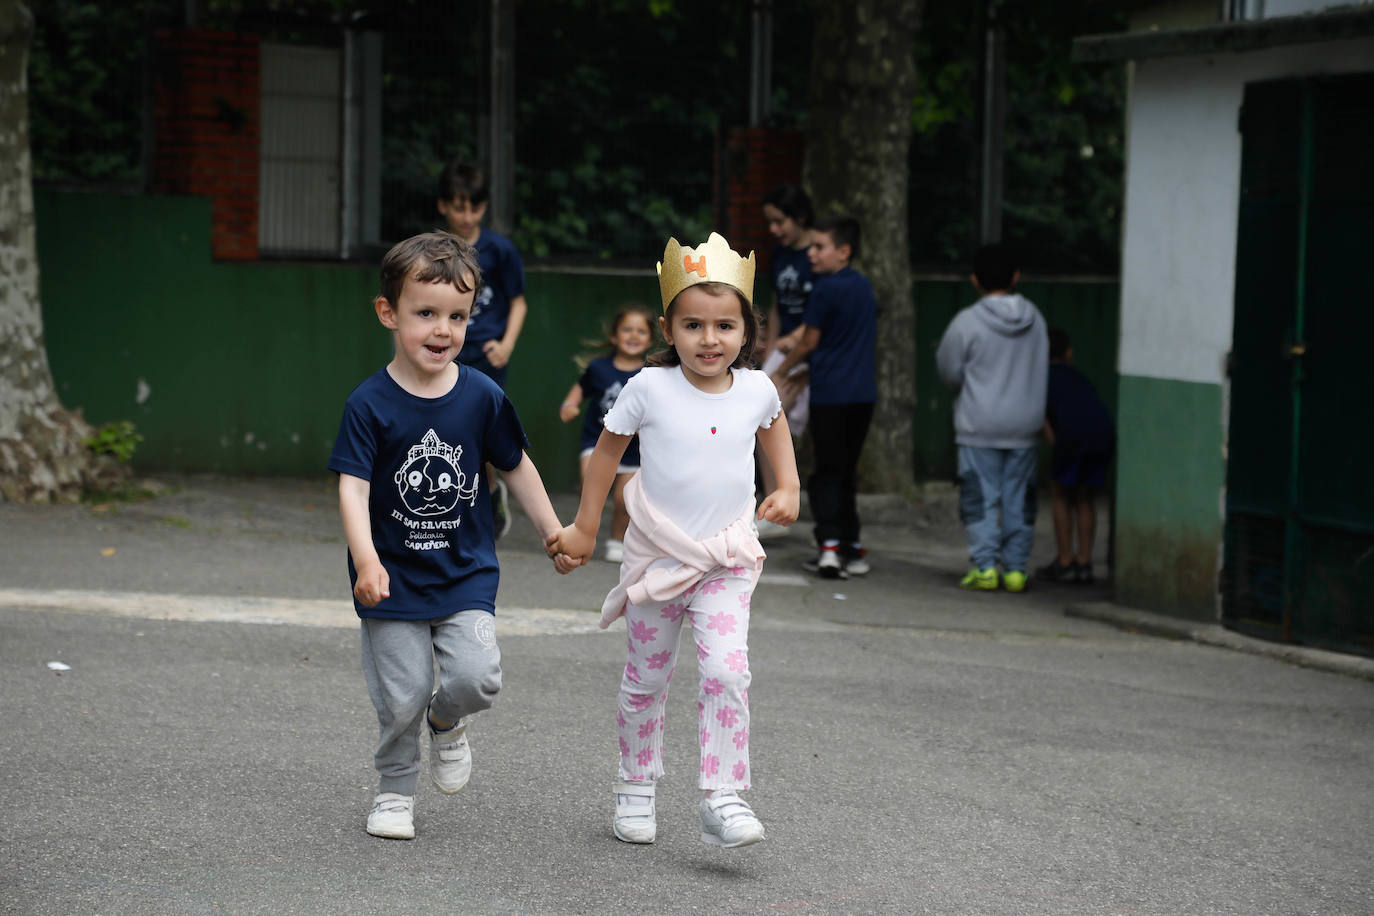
[[1182, 201]]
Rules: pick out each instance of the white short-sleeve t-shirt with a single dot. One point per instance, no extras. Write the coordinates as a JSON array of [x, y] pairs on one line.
[[696, 450]]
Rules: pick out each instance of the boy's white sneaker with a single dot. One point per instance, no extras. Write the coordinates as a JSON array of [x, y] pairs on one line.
[[393, 816], [615, 550], [727, 821], [450, 758], [635, 820]]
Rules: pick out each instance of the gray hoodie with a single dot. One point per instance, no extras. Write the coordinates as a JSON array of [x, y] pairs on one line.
[[996, 355]]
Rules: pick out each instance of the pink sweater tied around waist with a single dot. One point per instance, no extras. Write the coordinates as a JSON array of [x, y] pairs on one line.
[[653, 536]]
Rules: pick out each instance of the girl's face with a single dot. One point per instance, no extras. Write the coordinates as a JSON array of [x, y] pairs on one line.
[[783, 227], [707, 332], [632, 336]]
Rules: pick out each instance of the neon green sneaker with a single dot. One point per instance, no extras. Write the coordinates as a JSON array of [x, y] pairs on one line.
[[983, 580], [1014, 580]]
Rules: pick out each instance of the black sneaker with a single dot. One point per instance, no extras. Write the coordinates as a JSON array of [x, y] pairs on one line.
[[1083, 574], [1054, 572], [500, 509]]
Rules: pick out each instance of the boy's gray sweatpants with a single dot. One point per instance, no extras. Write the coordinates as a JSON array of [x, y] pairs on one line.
[[398, 663]]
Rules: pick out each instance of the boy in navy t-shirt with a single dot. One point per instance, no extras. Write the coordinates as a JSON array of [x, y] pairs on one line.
[[1083, 438], [838, 339], [498, 312], [416, 514]]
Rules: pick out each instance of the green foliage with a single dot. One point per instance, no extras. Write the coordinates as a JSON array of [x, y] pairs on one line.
[[86, 90], [1064, 137], [621, 108], [119, 439]]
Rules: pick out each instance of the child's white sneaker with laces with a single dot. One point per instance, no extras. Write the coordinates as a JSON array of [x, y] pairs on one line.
[[635, 820], [393, 816], [727, 821]]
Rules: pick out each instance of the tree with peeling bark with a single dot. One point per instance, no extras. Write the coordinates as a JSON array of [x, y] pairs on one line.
[[43, 451], [863, 78]]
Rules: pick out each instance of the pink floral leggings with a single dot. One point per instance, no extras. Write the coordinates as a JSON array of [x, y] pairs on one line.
[[718, 609]]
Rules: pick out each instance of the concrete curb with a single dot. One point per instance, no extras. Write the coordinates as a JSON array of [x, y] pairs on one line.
[[1211, 634]]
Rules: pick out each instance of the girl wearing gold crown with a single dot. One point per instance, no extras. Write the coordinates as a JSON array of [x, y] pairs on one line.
[[692, 554]]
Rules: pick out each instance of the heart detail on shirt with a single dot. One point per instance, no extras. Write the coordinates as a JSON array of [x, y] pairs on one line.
[[713, 430]]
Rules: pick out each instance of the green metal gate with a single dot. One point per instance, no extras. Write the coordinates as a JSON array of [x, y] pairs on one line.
[[1298, 562]]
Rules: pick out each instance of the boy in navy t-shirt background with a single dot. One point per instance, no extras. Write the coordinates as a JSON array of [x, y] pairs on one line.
[[838, 338], [498, 312], [1083, 437], [410, 453]]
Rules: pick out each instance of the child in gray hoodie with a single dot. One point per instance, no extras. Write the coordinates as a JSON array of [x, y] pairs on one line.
[[995, 355]]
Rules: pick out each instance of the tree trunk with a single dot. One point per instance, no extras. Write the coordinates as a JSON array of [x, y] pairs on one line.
[[43, 455], [863, 78]]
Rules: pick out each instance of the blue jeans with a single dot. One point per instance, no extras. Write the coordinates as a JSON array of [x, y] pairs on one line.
[[993, 479]]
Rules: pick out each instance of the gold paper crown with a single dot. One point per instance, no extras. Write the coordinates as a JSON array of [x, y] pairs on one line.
[[713, 262]]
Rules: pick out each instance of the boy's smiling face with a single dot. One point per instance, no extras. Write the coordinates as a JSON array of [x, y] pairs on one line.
[[429, 324], [464, 218], [825, 257]]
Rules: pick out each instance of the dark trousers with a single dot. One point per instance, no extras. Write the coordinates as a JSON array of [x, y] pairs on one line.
[[837, 438]]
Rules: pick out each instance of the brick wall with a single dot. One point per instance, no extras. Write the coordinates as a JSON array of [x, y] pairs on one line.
[[757, 160], [206, 130]]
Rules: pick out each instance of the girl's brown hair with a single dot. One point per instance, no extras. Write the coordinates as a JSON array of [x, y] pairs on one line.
[[604, 347], [745, 359]]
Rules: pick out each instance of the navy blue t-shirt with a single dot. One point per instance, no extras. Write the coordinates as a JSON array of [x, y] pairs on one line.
[[503, 278], [429, 506], [1078, 417], [792, 279], [844, 310], [601, 383]]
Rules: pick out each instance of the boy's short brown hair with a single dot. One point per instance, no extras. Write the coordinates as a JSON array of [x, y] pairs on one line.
[[431, 257]]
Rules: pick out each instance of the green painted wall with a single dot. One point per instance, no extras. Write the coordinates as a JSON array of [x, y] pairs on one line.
[[1170, 476], [243, 367]]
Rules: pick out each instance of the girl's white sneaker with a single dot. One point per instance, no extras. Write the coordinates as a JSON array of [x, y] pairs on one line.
[[635, 819], [727, 821]]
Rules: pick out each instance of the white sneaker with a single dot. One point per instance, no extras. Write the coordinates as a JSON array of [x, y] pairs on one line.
[[727, 821], [828, 564], [500, 509], [635, 820], [450, 758], [615, 551], [769, 530], [856, 564], [393, 816]]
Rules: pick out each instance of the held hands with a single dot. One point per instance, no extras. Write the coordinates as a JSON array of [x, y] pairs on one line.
[[781, 506], [571, 547], [565, 560], [373, 584]]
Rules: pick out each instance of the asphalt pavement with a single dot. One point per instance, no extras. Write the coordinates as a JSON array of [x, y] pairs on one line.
[[186, 730]]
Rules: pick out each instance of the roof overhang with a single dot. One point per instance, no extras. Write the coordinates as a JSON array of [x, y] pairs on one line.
[[1233, 37]]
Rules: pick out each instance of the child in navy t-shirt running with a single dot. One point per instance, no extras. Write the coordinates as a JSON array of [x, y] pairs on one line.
[[600, 384], [838, 339], [410, 453]]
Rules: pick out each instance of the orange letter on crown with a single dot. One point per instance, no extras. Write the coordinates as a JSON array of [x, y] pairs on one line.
[[699, 267]]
